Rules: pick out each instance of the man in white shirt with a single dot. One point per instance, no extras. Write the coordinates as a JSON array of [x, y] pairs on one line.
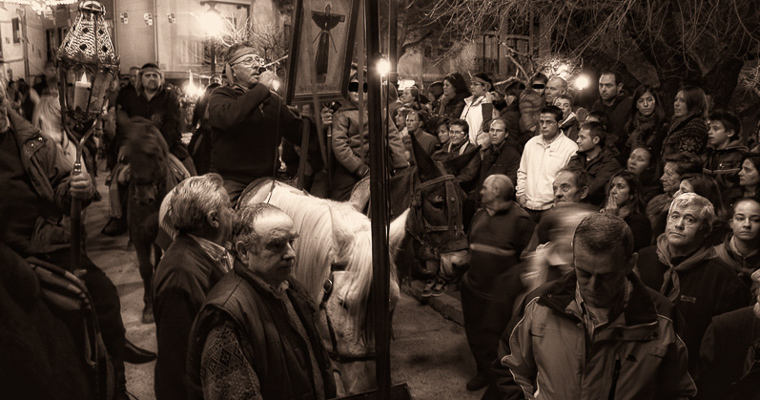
[[544, 155]]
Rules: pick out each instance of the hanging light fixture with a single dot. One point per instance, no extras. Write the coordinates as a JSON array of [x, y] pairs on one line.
[[86, 66]]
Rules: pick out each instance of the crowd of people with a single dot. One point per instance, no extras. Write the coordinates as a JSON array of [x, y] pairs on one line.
[[614, 252]]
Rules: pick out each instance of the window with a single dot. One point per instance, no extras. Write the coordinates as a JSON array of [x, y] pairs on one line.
[[16, 30]]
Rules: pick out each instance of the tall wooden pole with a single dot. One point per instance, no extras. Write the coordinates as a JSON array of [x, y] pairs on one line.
[[379, 207], [393, 40]]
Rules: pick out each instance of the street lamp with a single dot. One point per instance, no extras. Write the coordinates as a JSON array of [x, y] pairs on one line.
[[213, 25], [86, 65]]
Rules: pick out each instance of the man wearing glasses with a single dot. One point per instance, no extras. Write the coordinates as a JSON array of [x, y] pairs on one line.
[[248, 121]]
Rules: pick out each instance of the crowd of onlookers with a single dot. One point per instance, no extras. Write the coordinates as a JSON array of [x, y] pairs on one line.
[[558, 163], [607, 246]]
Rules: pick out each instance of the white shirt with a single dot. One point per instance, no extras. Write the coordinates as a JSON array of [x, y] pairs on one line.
[[539, 164]]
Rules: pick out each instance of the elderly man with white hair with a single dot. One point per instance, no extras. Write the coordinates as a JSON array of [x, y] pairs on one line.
[[682, 267], [197, 259]]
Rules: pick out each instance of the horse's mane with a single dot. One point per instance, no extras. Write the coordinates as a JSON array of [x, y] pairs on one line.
[[144, 144], [349, 233]]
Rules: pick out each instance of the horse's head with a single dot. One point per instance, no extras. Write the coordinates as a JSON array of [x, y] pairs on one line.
[[146, 152], [436, 208]]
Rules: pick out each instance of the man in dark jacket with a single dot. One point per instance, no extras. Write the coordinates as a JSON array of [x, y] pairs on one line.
[[500, 231], [616, 104], [597, 332], [248, 121], [193, 264], [255, 337], [153, 101], [596, 159], [157, 103], [682, 268]]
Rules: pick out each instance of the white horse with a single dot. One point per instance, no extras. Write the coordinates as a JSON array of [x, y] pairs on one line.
[[334, 262]]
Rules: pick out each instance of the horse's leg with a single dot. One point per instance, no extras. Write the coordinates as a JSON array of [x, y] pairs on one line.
[[146, 273]]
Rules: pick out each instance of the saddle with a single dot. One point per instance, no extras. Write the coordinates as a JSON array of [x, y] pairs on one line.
[[68, 298]]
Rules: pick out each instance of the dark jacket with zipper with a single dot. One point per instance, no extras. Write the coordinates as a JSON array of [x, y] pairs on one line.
[[276, 352], [546, 353], [724, 165]]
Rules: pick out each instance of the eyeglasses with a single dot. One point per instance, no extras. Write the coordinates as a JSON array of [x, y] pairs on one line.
[[476, 83], [354, 87], [538, 86], [250, 61]]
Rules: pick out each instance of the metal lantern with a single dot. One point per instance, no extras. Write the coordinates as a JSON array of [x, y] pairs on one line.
[[86, 65]]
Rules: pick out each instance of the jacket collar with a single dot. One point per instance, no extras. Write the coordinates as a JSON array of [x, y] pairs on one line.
[[640, 309], [291, 286]]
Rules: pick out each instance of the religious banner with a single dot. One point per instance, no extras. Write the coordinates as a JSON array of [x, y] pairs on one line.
[[321, 50]]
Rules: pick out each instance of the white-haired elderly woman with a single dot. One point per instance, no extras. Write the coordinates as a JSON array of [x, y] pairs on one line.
[[200, 211], [682, 267]]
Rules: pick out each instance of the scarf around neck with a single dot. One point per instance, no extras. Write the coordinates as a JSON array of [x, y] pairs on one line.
[[673, 292]]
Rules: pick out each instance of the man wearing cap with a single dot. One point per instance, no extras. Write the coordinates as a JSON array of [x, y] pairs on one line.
[[248, 121]]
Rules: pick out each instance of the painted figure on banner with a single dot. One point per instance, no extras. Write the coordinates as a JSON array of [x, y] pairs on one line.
[[326, 22]]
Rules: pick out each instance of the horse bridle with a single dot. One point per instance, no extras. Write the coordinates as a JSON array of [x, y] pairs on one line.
[[334, 353], [453, 205]]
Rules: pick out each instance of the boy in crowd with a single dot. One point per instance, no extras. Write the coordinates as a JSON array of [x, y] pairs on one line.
[[725, 150]]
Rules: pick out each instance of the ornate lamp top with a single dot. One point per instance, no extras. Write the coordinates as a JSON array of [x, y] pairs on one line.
[[88, 42]]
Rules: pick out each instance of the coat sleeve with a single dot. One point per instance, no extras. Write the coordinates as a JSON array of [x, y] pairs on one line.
[[521, 176], [170, 128], [175, 317], [674, 381], [398, 150], [598, 183], [226, 111], [341, 143], [515, 368], [225, 371], [468, 174]]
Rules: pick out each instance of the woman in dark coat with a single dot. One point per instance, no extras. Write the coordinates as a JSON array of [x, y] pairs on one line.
[[688, 129], [624, 200], [646, 123], [455, 90]]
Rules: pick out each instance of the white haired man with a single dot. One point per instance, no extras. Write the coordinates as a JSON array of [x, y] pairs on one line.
[[685, 270], [193, 264]]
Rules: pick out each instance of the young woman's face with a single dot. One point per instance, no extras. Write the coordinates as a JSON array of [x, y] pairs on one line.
[[448, 89], [620, 191], [645, 104], [748, 176], [639, 161], [443, 133], [679, 106]]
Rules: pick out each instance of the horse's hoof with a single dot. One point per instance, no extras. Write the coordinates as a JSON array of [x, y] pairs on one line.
[[147, 316]]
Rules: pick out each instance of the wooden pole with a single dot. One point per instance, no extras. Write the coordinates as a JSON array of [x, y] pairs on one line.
[[378, 204]]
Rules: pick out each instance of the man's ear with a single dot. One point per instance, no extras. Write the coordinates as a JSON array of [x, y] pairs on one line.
[[619, 87], [631, 264], [595, 140], [241, 251], [584, 192], [213, 219], [731, 134]]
